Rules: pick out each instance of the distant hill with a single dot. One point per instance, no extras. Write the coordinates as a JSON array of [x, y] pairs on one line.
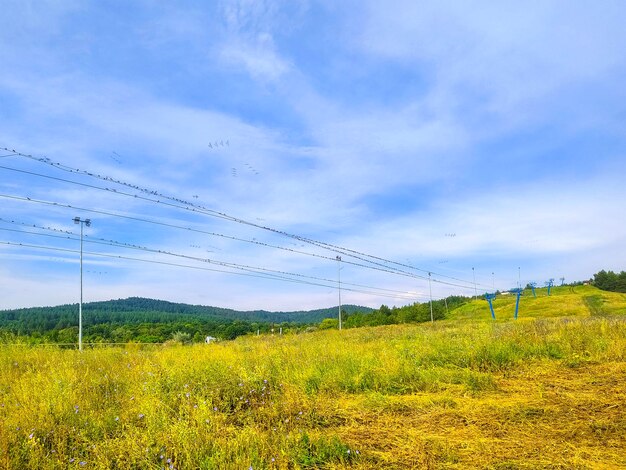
[[135, 310]]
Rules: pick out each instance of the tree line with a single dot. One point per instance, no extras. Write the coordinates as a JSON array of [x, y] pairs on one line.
[[414, 313], [154, 321], [608, 280]]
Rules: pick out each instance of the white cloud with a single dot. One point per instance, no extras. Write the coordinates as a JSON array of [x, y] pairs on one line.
[[259, 58]]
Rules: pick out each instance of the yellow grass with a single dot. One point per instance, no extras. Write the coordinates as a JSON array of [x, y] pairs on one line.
[[537, 393]]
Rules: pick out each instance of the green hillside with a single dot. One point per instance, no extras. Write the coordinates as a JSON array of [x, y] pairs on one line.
[[151, 321], [563, 301]]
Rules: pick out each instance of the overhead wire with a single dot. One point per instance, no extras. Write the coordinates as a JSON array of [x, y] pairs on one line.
[[144, 220], [324, 245], [200, 211], [114, 243], [202, 268]]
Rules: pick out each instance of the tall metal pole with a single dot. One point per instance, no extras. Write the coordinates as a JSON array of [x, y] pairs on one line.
[[432, 319], [493, 281], [80, 305], [519, 277], [339, 285], [87, 222], [475, 291]]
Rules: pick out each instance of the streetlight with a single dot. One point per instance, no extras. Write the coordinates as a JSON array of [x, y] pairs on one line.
[[475, 291], [87, 222], [339, 285]]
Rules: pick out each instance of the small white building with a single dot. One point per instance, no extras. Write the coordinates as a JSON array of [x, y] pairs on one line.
[[210, 339]]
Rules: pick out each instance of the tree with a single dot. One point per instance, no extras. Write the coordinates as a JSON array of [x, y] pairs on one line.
[[181, 337]]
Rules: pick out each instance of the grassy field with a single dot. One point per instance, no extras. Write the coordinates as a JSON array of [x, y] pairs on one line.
[[546, 391]]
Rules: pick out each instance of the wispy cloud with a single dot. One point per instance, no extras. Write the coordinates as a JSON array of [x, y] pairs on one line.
[[375, 128]]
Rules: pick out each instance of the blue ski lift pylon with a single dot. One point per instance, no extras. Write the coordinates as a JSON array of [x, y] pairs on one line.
[[490, 298], [549, 284], [532, 286], [517, 291]]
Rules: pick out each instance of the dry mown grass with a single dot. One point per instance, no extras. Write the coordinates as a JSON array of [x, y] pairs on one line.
[[538, 393]]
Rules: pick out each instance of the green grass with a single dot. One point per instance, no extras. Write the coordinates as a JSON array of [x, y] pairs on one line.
[[546, 391], [563, 301]]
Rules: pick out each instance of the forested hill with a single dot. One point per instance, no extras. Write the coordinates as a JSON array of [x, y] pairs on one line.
[[142, 310]]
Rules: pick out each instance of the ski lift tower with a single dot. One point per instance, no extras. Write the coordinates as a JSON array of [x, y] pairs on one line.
[[549, 284], [562, 279], [490, 298], [517, 291], [532, 286]]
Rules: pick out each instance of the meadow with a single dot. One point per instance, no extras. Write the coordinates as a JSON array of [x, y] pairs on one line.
[[545, 391]]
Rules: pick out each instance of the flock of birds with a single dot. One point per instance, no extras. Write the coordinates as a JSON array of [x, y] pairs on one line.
[[215, 145], [234, 171]]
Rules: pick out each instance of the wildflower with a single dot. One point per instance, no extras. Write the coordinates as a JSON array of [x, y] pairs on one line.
[[117, 418], [215, 408], [140, 416], [161, 457], [72, 460], [187, 394], [82, 463], [75, 408], [31, 435]]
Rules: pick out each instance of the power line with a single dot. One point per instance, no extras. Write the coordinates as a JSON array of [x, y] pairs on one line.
[[140, 219], [200, 210], [113, 243], [196, 207], [201, 268]]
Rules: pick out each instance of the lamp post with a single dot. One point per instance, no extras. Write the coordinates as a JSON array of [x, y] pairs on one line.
[[339, 285], [87, 222], [475, 291]]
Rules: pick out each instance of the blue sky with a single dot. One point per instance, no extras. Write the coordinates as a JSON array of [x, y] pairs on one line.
[[442, 136]]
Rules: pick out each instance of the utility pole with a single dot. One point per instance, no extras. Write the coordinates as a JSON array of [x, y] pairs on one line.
[[431, 299], [493, 281], [87, 222], [339, 285], [519, 277]]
